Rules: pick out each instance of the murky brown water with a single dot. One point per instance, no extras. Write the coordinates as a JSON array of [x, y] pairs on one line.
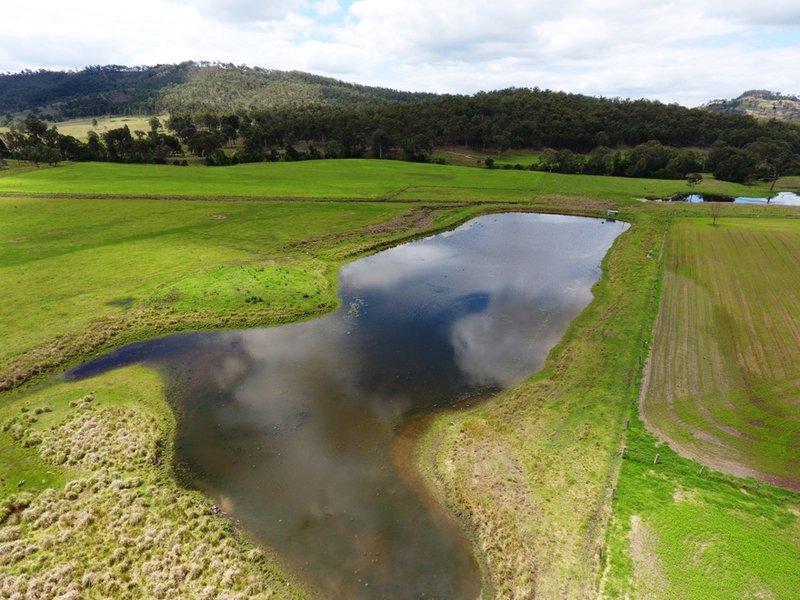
[[291, 429]]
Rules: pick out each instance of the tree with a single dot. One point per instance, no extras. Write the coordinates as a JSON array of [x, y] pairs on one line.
[[183, 126], [600, 161], [119, 144], [692, 179], [381, 142], [732, 164], [35, 127], [96, 150], [229, 127], [40, 153], [648, 159], [775, 157], [205, 143], [681, 163], [72, 148], [417, 148], [16, 143]]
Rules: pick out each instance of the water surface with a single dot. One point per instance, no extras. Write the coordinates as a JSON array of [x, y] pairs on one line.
[[779, 199], [293, 430]]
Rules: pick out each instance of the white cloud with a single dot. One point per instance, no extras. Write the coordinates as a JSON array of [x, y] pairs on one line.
[[679, 50], [244, 11], [326, 8]]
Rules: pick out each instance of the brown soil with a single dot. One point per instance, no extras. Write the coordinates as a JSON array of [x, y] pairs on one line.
[[648, 570], [418, 218]]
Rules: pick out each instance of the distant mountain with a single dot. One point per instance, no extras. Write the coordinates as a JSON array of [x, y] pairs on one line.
[[186, 87], [761, 104]]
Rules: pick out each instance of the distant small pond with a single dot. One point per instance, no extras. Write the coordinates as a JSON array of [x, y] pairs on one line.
[[295, 430], [779, 199]]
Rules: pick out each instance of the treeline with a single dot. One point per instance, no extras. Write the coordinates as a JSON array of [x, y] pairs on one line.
[[765, 160], [519, 118], [578, 134], [39, 143], [575, 134]]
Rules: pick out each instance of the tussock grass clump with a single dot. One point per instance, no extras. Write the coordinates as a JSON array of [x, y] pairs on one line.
[[121, 527], [115, 438]]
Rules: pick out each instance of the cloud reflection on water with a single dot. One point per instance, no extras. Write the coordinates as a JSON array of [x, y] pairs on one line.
[[294, 426]]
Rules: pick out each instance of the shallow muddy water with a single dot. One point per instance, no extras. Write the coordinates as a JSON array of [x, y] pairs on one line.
[[294, 430]]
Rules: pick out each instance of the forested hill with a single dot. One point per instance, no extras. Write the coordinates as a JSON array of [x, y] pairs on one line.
[[184, 88], [761, 104], [228, 114]]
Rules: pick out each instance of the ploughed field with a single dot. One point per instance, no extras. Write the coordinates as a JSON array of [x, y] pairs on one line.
[[723, 381]]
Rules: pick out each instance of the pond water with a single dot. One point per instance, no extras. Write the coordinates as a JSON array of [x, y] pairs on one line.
[[296, 431], [779, 199]]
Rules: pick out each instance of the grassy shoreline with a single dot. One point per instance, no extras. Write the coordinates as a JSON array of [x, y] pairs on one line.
[[90, 506], [546, 446]]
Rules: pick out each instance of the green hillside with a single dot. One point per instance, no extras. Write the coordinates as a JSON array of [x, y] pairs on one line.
[[186, 87]]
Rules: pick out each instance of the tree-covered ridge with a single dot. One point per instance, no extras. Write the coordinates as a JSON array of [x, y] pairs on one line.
[[93, 91], [219, 89], [621, 137], [761, 104], [186, 87]]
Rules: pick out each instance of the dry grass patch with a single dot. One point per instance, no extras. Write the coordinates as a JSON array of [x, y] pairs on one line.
[[120, 527], [648, 570]]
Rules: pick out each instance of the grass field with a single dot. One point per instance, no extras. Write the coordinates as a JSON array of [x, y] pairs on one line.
[[529, 474], [468, 157], [679, 530], [723, 381], [345, 179]]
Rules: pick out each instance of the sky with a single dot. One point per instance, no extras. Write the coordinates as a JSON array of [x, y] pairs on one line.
[[683, 51]]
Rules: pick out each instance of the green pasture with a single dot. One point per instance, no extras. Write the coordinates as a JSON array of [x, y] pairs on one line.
[[344, 179], [68, 264], [680, 530]]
